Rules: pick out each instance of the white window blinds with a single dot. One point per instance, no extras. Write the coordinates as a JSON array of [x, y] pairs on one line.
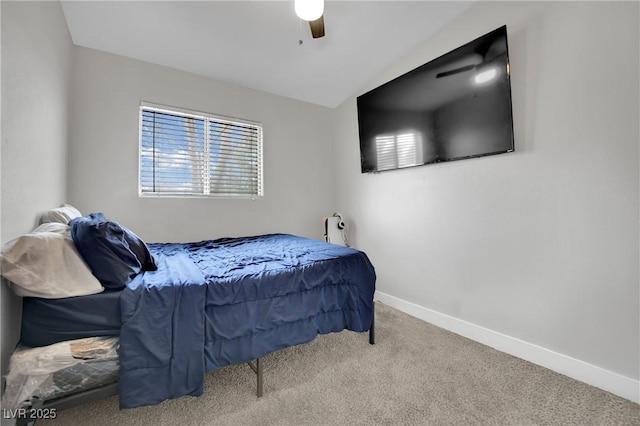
[[195, 154], [397, 150]]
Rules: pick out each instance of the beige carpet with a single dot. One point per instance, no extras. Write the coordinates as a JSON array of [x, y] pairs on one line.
[[415, 374]]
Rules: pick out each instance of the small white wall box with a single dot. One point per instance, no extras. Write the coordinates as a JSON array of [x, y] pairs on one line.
[[334, 228]]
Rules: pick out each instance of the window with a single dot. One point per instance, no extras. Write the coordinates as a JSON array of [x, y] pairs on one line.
[[397, 150], [186, 153]]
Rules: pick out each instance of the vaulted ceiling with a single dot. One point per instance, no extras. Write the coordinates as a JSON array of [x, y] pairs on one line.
[[263, 45]]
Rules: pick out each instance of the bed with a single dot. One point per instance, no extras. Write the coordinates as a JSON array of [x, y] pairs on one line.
[[194, 307]]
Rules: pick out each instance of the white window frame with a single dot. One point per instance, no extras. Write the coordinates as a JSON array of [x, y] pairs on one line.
[[207, 117]]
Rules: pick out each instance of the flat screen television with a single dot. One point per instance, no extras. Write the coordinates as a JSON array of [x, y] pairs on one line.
[[454, 107]]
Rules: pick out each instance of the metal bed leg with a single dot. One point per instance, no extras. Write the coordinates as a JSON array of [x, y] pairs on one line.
[[372, 330], [259, 374], [257, 368]]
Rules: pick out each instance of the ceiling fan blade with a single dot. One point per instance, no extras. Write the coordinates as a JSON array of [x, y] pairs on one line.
[[317, 27], [455, 71]]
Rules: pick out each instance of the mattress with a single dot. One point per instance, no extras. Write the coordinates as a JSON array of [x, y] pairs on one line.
[[49, 321]]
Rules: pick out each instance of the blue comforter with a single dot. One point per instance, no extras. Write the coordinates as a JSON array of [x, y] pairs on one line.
[[222, 302]]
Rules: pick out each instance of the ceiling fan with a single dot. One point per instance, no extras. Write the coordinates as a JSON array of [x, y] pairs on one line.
[[313, 12], [483, 51]]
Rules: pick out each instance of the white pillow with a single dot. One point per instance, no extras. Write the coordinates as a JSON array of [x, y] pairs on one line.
[[46, 263], [57, 227], [62, 214]]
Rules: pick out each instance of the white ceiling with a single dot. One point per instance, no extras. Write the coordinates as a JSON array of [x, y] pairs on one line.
[[256, 44]]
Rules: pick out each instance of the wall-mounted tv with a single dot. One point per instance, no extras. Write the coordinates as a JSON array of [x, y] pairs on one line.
[[454, 107]]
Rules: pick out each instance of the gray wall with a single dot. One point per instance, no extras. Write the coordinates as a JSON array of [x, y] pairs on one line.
[[37, 54], [541, 244], [103, 161]]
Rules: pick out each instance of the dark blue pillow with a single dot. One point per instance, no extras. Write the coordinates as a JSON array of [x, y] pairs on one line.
[[114, 254], [140, 249]]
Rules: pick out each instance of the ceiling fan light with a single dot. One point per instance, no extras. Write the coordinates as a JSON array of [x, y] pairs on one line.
[[309, 10], [485, 76]]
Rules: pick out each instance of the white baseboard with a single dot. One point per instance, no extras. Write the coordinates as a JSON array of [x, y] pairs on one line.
[[595, 376]]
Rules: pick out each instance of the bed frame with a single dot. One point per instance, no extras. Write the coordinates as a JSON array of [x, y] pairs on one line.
[[37, 408]]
